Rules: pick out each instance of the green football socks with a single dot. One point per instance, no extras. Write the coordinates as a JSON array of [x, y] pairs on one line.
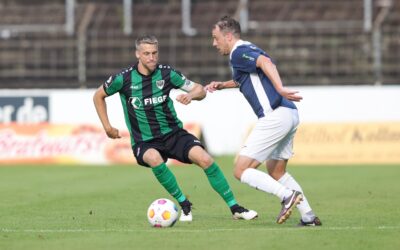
[[168, 181], [219, 184]]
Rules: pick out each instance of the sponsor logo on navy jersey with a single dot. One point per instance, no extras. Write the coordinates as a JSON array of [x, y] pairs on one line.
[[248, 57]]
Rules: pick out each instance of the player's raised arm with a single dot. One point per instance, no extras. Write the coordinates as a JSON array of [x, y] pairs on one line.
[[269, 69], [101, 109]]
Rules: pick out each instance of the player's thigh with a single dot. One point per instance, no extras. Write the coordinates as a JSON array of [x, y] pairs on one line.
[[284, 149], [265, 137]]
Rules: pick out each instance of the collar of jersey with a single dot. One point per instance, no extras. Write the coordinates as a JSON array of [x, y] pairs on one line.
[[137, 70], [237, 44]]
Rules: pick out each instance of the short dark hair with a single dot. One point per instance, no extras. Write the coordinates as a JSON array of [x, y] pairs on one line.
[[148, 39], [228, 24]]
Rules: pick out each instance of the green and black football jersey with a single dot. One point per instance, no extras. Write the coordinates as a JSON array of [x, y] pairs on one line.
[[148, 109]]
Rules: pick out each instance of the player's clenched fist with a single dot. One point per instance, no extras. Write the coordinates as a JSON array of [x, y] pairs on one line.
[[113, 133], [184, 99]]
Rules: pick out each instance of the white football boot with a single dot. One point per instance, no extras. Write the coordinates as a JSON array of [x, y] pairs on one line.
[[241, 213]]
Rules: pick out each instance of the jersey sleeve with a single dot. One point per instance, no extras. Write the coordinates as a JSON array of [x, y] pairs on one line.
[[113, 84], [245, 59], [177, 79]]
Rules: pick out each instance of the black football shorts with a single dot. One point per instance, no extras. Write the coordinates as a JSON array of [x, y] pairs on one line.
[[175, 145]]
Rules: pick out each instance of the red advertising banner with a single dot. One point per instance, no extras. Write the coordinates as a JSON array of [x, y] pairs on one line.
[[80, 144]]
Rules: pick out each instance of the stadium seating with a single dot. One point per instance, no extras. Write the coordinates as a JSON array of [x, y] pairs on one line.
[[313, 42]]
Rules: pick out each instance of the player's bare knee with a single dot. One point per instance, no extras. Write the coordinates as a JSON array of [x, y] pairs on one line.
[[200, 157], [152, 157], [205, 160], [237, 172]]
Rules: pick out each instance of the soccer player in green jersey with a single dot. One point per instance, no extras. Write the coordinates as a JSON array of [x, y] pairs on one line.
[[156, 132]]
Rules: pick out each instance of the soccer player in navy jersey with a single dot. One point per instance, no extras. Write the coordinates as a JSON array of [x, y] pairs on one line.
[[155, 129], [271, 140]]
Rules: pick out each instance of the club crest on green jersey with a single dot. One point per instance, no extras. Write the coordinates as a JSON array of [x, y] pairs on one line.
[[160, 84]]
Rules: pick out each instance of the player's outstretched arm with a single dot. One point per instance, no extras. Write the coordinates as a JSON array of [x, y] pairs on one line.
[[101, 109], [215, 85], [197, 92], [269, 69]]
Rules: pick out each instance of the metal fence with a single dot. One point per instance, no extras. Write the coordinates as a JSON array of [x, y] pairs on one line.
[[307, 52]]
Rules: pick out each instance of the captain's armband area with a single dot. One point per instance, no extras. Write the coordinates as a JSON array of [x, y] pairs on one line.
[[187, 86]]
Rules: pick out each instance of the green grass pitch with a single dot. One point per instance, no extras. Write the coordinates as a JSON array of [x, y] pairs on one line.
[[89, 207]]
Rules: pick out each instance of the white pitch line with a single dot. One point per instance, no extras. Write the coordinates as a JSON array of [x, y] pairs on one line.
[[187, 230]]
